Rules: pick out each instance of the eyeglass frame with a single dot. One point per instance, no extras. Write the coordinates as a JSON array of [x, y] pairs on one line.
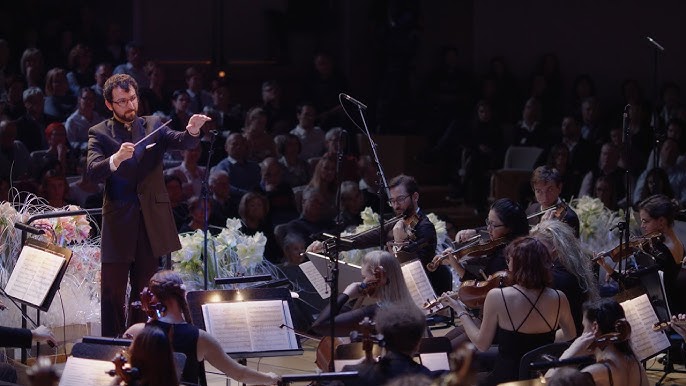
[[125, 101], [490, 224], [398, 199]]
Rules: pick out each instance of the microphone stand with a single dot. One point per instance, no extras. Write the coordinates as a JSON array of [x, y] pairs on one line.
[[205, 193], [623, 226], [658, 130], [332, 251], [382, 185]]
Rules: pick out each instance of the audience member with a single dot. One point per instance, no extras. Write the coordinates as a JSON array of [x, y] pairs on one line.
[[313, 219], [231, 117], [282, 207], [180, 209], [529, 131], [189, 173], [260, 143], [322, 87], [369, 184], [32, 67], [293, 247], [297, 170], [13, 100], [134, 65], [196, 216], [253, 210], [156, 97], [211, 138], [338, 140], [179, 113], [82, 119], [199, 97], [224, 203], [58, 151], [83, 189], [591, 128], [54, 188], [14, 158], [244, 173], [80, 73], [279, 116], [669, 152], [59, 101], [657, 182], [31, 126], [352, 204], [311, 136], [103, 71], [608, 167]]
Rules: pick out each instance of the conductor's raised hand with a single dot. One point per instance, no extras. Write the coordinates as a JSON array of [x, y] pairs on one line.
[[125, 152], [195, 123]]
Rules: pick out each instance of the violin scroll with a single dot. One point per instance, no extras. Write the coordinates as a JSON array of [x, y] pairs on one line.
[[623, 251], [621, 334], [154, 310], [127, 375]]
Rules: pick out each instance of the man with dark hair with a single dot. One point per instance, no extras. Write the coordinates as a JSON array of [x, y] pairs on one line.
[[137, 225], [413, 235], [402, 329], [546, 183]]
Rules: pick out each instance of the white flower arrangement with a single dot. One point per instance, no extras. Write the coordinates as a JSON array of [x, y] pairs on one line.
[[231, 253], [595, 222], [80, 286], [370, 220]]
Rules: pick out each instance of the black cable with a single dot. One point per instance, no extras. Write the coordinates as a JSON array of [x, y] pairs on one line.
[[64, 325]]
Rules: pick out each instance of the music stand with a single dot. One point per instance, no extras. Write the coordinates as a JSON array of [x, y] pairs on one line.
[[198, 300]]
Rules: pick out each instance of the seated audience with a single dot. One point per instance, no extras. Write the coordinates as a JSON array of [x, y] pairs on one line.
[[14, 157], [297, 171], [282, 208], [313, 219], [311, 136], [189, 173], [224, 204], [180, 209], [244, 173], [59, 101], [253, 211], [260, 143], [82, 119]]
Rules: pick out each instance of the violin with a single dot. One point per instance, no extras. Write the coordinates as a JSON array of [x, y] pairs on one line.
[[127, 375], [154, 310], [635, 244], [471, 247], [661, 326], [621, 334], [369, 287], [559, 211], [42, 373], [472, 292]]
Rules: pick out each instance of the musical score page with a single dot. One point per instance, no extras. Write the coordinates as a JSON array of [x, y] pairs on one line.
[[252, 326], [316, 279], [34, 275], [641, 316], [81, 371], [418, 283]]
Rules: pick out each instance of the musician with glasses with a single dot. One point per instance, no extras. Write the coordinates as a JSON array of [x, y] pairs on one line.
[[137, 223], [546, 183], [413, 235]]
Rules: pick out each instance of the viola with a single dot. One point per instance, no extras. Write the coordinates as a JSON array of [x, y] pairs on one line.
[[471, 247], [323, 357], [462, 372], [154, 310], [472, 292], [621, 334], [369, 287], [623, 251], [368, 339], [127, 375]]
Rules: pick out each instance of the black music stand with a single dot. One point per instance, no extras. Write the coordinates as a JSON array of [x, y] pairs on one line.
[[196, 299], [41, 278]]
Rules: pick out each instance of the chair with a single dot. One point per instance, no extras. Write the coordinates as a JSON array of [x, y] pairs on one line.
[[509, 183], [521, 157], [540, 354], [352, 353]]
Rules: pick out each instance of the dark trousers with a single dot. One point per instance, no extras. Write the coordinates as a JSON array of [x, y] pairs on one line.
[[114, 277]]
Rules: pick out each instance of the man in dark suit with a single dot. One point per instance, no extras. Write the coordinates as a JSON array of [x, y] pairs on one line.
[[138, 225], [402, 329], [546, 183]]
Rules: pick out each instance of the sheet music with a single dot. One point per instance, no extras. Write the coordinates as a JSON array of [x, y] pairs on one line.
[[80, 371], [316, 279], [435, 361], [644, 341], [250, 326], [33, 275], [418, 283]]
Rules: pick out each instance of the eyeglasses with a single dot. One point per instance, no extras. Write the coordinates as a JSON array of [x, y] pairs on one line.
[[491, 224], [124, 102], [398, 199]]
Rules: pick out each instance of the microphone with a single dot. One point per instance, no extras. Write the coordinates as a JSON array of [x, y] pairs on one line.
[[626, 116], [355, 101], [214, 132], [656, 44]]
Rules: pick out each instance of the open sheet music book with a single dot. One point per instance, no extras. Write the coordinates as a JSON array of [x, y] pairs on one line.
[[641, 316], [418, 283], [251, 326], [39, 267], [80, 371], [316, 279]]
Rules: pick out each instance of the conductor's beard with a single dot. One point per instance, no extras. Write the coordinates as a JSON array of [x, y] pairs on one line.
[[128, 117]]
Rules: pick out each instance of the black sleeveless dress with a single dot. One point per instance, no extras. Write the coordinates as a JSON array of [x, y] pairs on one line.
[[512, 344], [184, 340]]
